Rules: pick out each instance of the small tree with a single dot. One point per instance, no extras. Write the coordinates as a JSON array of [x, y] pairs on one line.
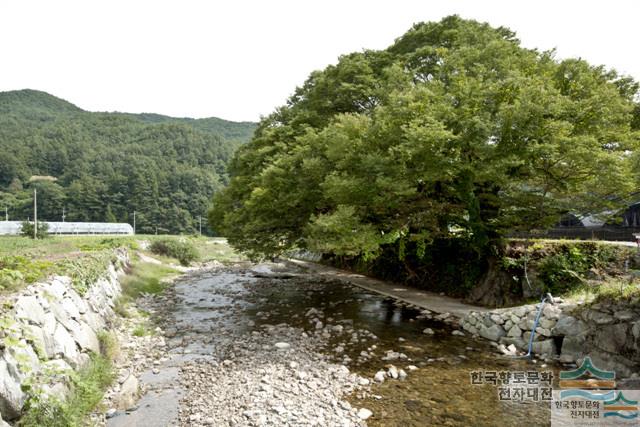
[[27, 229]]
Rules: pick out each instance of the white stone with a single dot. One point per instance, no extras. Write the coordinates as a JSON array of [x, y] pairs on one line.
[[379, 376], [28, 309], [364, 413], [64, 345], [282, 345], [86, 338], [11, 395], [128, 393], [393, 372]]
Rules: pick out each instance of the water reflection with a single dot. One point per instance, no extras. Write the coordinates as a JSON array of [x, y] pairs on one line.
[[438, 393]]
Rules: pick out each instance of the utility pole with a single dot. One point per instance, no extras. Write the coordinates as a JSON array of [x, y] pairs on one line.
[[6, 214], [200, 225], [63, 215], [134, 222], [35, 213]]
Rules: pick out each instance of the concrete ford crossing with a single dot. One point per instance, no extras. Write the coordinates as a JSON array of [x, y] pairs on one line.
[[72, 228]]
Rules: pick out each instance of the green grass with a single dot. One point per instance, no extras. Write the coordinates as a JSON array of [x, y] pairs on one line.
[[24, 261], [216, 249], [57, 246], [145, 278], [608, 291], [142, 330], [87, 389]]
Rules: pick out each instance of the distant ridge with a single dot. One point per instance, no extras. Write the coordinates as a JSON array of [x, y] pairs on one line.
[[36, 104], [104, 167]]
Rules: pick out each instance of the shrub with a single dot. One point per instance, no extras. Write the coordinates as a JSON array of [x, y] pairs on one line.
[[27, 229], [182, 250]]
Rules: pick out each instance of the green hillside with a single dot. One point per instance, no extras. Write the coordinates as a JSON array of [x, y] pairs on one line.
[[108, 165]]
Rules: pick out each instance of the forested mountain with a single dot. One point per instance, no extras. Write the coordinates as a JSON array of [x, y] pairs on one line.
[[455, 132], [108, 165]]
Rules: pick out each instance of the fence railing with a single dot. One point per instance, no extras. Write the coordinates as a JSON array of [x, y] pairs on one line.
[[626, 234]]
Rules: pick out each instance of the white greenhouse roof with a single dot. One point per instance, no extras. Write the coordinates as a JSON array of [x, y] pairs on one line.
[[13, 227]]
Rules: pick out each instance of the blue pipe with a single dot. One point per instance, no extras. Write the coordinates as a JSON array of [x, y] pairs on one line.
[[535, 325]]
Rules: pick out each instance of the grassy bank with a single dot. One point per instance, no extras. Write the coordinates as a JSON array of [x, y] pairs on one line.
[[87, 387], [24, 261]]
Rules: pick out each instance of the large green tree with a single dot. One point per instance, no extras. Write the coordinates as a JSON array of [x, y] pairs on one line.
[[453, 131]]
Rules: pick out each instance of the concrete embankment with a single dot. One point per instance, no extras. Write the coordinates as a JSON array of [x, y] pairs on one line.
[[50, 329]]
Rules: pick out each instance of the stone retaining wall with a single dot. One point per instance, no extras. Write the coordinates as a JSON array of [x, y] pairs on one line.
[[49, 329], [608, 333]]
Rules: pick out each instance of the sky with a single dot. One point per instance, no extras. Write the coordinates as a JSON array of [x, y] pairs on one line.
[[241, 59]]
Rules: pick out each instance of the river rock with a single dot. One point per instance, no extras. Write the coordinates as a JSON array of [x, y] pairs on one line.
[[379, 376], [128, 393], [611, 338], [282, 345], [572, 348], [569, 326], [624, 315], [364, 413], [493, 333], [497, 319], [551, 312], [428, 331], [515, 332], [393, 372], [598, 317]]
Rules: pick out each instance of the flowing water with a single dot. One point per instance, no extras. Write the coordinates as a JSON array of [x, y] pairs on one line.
[[213, 307]]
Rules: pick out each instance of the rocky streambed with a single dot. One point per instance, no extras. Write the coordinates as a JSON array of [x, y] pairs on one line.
[[248, 345]]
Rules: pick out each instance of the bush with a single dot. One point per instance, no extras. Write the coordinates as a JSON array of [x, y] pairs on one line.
[[182, 250], [27, 229]]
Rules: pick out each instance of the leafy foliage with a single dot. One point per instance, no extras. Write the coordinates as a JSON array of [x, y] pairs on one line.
[[453, 132], [145, 278], [27, 230], [181, 249], [109, 165]]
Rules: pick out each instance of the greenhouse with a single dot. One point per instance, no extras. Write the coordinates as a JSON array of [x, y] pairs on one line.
[[72, 228]]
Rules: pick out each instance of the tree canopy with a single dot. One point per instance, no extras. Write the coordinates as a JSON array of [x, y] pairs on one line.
[[108, 165], [453, 131]]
